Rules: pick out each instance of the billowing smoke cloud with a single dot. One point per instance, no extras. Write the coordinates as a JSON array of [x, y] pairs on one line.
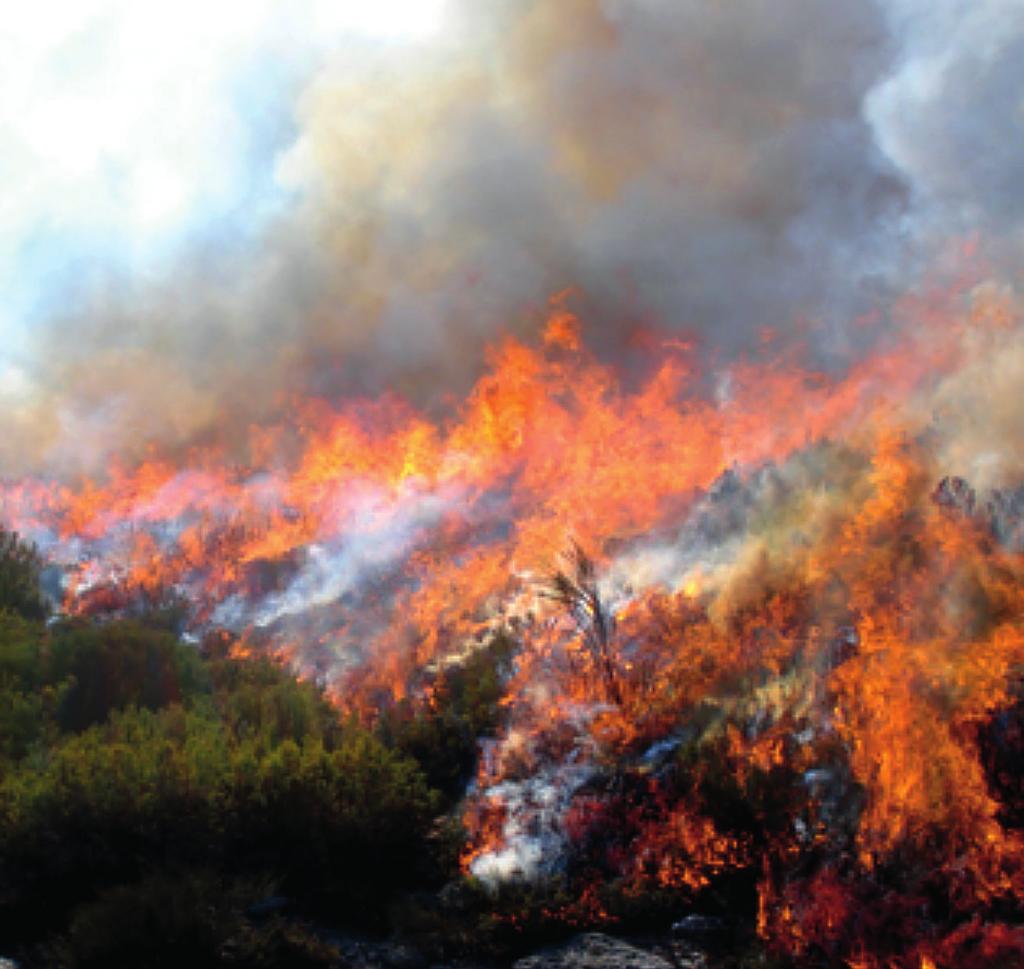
[[712, 169], [951, 116]]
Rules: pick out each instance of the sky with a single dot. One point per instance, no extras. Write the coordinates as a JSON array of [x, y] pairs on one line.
[[130, 129], [208, 208]]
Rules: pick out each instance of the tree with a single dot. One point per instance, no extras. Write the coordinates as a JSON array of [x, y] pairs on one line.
[[118, 665], [20, 569]]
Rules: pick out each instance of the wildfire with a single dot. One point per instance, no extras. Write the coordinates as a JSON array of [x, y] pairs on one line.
[[773, 562]]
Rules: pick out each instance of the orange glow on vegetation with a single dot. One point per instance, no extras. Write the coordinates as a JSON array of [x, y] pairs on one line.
[[854, 612]]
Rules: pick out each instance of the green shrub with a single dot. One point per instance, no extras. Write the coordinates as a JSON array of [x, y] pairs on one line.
[[116, 665], [184, 919], [443, 738], [20, 571]]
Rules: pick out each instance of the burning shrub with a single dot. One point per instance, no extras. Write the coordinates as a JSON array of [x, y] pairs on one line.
[[789, 697]]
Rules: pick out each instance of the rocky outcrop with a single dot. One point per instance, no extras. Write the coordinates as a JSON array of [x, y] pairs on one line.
[[356, 953], [594, 951]]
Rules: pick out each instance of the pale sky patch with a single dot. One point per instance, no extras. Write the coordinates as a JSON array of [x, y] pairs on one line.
[[126, 125]]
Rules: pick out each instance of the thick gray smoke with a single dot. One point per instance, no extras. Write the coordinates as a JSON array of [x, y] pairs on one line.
[[713, 169]]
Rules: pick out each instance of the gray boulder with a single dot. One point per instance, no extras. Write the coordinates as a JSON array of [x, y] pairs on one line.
[[594, 951]]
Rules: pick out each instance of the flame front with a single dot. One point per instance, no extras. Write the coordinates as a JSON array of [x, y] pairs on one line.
[[776, 560]]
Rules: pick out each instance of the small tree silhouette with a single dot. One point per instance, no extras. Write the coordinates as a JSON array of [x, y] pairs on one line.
[[20, 569], [574, 586]]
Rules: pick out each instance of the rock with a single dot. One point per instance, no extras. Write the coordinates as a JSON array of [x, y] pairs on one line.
[[366, 954], [685, 956], [1005, 513], [699, 926], [955, 495], [594, 951], [725, 510]]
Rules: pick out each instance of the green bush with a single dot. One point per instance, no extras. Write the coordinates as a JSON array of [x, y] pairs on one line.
[[128, 758], [183, 919], [26, 701], [343, 829], [20, 571], [261, 699], [116, 665], [443, 738]]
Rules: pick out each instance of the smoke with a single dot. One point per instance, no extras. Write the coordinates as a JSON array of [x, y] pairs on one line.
[[377, 534], [950, 116], [717, 170]]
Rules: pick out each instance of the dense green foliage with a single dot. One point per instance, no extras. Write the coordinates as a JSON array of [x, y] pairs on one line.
[[20, 570], [443, 738], [129, 759]]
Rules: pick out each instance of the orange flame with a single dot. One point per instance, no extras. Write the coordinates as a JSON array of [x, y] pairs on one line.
[[857, 612]]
